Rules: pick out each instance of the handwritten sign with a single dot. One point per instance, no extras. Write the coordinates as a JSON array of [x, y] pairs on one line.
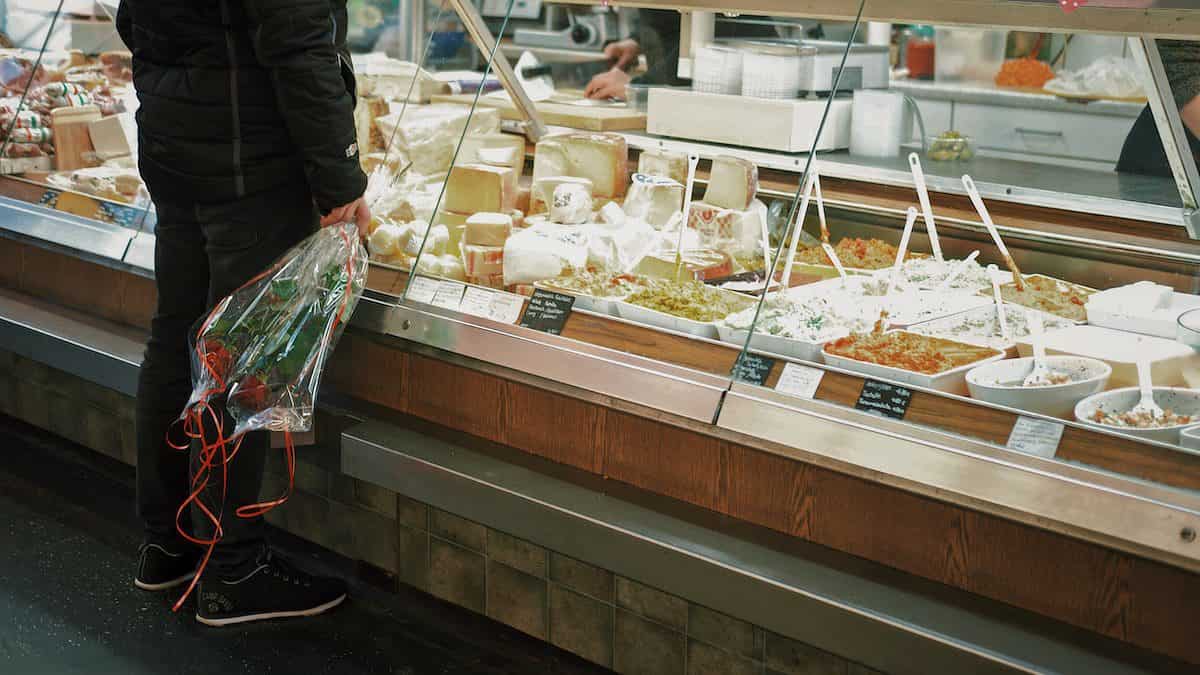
[[449, 294], [1035, 437], [548, 311], [798, 380], [422, 289], [884, 398], [753, 369], [506, 307], [477, 302]]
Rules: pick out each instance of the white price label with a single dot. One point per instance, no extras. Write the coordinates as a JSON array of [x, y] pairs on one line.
[[1036, 437], [422, 289], [477, 302], [798, 380], [506, 307], [449, 294]]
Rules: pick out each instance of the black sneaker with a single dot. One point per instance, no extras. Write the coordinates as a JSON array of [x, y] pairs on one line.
[[274, 590], [160, 569]]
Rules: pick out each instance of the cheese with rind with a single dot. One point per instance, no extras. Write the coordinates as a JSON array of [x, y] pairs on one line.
[[732, 183], [472, 188], [571, 205], [480, 261], [664, 164], [600, 157]]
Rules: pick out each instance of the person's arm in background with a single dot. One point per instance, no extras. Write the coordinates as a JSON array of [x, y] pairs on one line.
[[295, 40], [1181, 61], [657, 36]]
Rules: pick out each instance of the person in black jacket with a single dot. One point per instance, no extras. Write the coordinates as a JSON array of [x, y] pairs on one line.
[[246, 136]]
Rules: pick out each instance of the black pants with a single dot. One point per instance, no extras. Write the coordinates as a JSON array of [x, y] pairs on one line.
[[204, 252]]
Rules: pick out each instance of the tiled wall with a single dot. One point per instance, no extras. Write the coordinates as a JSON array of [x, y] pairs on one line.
[[605, 618]]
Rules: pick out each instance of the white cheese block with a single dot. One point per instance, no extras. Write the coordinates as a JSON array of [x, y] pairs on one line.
[[388, 239], [426, 135], [653, 199], [419, 229], [488, 229], [472, 188], [544, 251], [664, 164], [732, 183], [497, 149], [542, 192], [437, 241], [572, 204], [612, 215], [599, 157], [452, 267]]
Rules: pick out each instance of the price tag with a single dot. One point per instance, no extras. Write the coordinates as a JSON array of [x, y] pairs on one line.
[[884, 398], [753, 368], [477, 302], [449, 294], [548, 311], [798, 380], [506, 307], [1036, 437], [422, 289]]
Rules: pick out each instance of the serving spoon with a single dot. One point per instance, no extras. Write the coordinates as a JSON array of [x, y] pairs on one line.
[[1146, 406]]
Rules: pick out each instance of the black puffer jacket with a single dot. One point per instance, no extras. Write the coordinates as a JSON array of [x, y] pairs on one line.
[[241, 96]]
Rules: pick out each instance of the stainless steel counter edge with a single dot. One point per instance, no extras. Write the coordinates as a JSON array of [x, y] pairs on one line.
[[824, 598], [681, 391], [1123, 514]]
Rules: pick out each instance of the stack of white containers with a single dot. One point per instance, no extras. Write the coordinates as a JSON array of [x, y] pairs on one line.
[[777, 71], [717, 70]]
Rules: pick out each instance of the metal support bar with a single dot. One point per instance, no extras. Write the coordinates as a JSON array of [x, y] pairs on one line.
[[1171, 131], [486, 42]]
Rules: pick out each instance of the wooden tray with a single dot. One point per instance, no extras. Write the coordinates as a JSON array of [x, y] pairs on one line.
[[596, 118]]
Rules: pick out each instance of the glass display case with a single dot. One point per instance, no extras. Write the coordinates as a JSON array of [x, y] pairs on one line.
[[812, 245]]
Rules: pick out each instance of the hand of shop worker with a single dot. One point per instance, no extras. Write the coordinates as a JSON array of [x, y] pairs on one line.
[[610, 84], [356, 212], [623, 53]]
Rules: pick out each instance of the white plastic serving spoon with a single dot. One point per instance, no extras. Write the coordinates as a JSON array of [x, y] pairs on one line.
[[1000, 316], [1040, 375], [1146, 406]]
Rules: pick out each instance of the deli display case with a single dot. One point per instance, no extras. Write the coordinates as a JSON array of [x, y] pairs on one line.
[[975, 283]]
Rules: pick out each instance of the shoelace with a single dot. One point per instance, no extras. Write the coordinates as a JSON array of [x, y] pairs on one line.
[[286, 571]]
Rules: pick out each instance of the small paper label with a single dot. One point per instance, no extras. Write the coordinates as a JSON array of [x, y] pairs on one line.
[[506, 307], [477, 302], [422, 289], [1036, 437], [884, 398], [753, 368], [798, 380], [548, 311], [449, 294]]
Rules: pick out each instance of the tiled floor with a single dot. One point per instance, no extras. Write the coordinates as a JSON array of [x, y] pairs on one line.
[[67, 604]]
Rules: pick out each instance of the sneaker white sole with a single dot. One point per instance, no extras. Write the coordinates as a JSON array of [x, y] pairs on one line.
[[319, 609], [164, 585]]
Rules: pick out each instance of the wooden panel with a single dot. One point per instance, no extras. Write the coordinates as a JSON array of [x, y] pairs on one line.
[[665, 459], [386, 279], [457, 397], [75, 283], [770, 490], [553, 426], [1161, 465], [366, 369], [11, 253], [138, 302]]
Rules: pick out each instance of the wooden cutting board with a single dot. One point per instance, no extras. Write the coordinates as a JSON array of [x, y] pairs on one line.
[[564, 114]]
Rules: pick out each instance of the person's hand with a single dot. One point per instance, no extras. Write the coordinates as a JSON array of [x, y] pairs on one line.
[[623, 53], [610, 84], [356, 212]]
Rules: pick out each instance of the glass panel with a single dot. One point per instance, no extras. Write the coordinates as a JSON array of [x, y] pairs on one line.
[[69, 136], [885, 331]]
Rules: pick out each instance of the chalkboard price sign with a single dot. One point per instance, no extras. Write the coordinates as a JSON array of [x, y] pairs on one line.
[[753, 368], [883, 398], [548, 311]]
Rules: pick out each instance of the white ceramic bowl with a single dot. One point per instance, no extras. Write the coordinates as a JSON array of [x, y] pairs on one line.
[[1187, 328], [1182, 401], [999, 383]]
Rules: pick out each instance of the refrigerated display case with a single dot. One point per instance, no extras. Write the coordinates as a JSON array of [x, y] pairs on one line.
[[681, 277]]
